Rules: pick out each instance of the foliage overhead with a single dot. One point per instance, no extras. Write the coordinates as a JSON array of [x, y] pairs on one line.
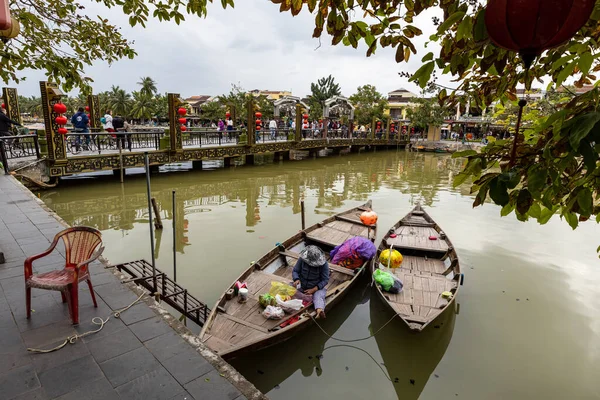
[[368, 103], [324, 89]]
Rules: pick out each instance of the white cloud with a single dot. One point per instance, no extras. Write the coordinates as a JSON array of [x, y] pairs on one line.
[[252, 44]]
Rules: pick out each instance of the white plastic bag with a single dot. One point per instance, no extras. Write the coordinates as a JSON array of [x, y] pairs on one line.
[[289, 306], [272, 312]]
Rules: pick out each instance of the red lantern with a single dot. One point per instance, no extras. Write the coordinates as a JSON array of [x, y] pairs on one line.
[[305, 116], [87, 108], [59, 108], [63, 131], [320, 121], [3, 105], [531, 27], [183, 128], [88, 115], [182, 121], [227, 114], [258, 115], [182, 111], [60, 120]]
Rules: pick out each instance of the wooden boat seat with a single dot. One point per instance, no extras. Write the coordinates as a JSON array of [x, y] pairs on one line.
[[353, 228], [417, 237], [329, 236], [431, 265], [333, 267]]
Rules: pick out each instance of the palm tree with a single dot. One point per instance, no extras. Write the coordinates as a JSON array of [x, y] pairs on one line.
[[148, 86], [143, 106], [119, 101]]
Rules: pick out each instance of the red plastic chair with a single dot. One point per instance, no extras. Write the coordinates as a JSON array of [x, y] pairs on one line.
[[80, 243]]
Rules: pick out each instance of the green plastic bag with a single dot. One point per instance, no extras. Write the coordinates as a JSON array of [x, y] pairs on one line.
[[384, 279], [266, 300]]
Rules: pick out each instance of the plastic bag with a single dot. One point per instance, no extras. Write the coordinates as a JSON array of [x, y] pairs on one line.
[[396, 287], [353, 252], [266, 300], [282, 289], [288, 306], [272, 312], [384, 279]]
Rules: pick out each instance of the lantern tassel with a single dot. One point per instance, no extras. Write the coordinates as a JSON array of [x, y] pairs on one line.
[[513, 156]]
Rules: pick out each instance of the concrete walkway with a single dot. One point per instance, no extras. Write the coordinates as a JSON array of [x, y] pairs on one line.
[[147, 354]]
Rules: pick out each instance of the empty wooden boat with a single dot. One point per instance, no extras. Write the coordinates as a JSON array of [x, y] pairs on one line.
[[430, 268], [234, 328]]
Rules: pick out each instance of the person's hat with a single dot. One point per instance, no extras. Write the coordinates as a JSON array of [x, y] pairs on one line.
[[313, 256]]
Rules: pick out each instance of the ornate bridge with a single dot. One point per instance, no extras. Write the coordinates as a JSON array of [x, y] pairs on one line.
[[173, 149]]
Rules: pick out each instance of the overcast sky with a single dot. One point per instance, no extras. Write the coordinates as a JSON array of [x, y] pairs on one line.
[[253, 44]]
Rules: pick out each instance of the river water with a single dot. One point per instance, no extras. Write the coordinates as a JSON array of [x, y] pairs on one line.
[[527, 322]]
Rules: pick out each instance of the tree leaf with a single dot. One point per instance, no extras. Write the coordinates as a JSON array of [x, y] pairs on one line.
[[423, 74], [451, 20], [565, 73], [585, 201], [589, 155], [464, 153], [535, 211], [427, 57], [479, 29], [571, 218], [545, 215], [459, 179], [536, 180], [498, 192], [585, 62], [580, 126], [507, 209], [524, 201]]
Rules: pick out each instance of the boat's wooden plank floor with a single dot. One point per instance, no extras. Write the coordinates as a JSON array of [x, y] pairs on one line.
[[419, 264], [417, 237], [421, 297]]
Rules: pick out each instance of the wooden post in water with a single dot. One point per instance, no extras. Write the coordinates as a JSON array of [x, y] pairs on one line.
[[302, 214], [158, 222], [120, 156], [147, 165], [174, 241]]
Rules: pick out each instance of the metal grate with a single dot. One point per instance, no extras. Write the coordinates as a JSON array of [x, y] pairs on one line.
[[170, 292]]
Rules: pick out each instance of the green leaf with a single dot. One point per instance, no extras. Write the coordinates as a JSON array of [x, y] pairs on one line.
[[585, 62], [510, 178], [423, 74], [585, 201], [572, 219], [479, 29], [498, 192], [536, 180], [565, 73], [427, 57], [507, 209], [459, 179], [580, 126], [464, 153], [451, 20], [535, 211], [545, 215], [464, 28]]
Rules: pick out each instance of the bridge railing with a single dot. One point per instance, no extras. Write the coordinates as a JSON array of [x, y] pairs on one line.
[[19, 146], [274, 135], [198, 137], [107, 142]]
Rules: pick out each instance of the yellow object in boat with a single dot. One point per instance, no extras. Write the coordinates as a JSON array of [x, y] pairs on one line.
[[447, 295]]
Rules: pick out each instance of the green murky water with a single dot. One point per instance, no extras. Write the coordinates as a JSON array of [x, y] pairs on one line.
[[527, 323]]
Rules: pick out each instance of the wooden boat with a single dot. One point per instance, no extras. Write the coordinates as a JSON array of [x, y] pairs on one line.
[[430, 267], [235, 328]]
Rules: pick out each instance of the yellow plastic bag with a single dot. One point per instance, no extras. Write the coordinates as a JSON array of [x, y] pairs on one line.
[[282, 289]]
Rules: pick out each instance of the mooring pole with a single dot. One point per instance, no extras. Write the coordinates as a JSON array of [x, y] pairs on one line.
[[302, 214], [147, 165], [120, 155], [174, 242]]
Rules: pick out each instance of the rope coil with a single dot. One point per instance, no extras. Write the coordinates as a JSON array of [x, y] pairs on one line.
[[96, 321]]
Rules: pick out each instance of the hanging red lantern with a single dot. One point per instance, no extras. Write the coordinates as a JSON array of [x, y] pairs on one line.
[[320, 121], [531, 27], [182, 111], [183, 128], [3, 105], [305, 116], [258, 115], [87, 108], [63, 131], [182, 120], [227, 114], [60, 120], [59, 108], [88, 115]]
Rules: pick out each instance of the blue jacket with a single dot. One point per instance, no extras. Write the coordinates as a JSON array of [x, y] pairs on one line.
[[310, 276], [80, 121]]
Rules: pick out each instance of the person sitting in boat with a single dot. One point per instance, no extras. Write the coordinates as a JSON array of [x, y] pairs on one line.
[[311, 274]]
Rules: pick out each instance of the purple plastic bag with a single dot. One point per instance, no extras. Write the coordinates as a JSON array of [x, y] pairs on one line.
[[353, 252]]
